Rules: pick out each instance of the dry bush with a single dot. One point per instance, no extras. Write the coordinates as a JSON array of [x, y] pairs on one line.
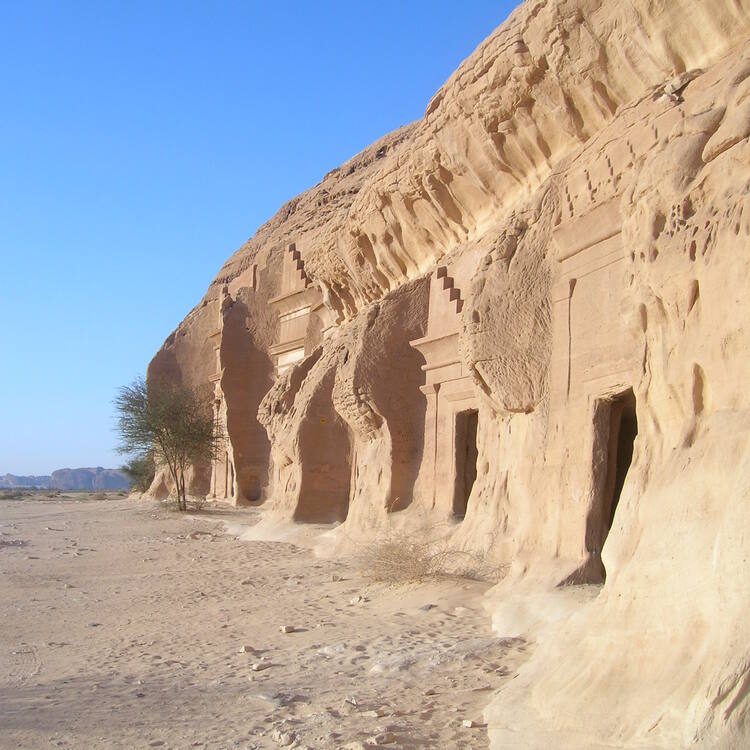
[[196, 503], [417, 555], [12, 494], [170, 503], [100, 496]]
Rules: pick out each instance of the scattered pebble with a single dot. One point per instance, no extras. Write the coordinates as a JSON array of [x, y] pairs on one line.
[[383, 738], [260, 666], [287, 628], [246, 650], [375, 713], [199, 534], [283, 738]]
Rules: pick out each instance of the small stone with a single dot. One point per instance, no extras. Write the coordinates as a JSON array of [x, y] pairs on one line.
[[283, 738], [335, 578], [430, 691], [247, 582], [383, 738], [375, 713], [287, 628], [260, 666], [246, 650], [427, 607], [351, 700], [468, 723]]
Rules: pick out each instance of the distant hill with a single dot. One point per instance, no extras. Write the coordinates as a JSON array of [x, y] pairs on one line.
[[11, 480], [93, 478], [96, 478]]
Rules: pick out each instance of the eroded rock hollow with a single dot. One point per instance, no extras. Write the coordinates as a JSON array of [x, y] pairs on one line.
[[523, 318]]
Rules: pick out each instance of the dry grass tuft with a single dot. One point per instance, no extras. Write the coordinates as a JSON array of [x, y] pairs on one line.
[[197, 503], [411, 557]]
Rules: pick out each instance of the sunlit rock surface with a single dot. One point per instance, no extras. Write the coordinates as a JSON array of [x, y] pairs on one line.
[[522, 320]]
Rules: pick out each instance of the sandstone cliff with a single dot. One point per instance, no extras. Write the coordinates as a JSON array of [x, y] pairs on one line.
[[523, 318]]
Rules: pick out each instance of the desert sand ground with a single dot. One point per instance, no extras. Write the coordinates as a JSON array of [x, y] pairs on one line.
[[123, 626]]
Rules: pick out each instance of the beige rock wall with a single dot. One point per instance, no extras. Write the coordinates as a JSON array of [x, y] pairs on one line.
[[522, 318], [659, 657]]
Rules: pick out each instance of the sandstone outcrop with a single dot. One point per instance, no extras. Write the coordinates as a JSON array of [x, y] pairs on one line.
[[522, 319]]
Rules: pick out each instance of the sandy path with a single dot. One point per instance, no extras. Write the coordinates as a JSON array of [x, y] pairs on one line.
[[122, 625]]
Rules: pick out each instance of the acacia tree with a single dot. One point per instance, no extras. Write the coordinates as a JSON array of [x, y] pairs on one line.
[[169, 420], [140, 469]]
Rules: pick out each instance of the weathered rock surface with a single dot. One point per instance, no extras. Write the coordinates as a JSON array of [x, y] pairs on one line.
[[521, 320]]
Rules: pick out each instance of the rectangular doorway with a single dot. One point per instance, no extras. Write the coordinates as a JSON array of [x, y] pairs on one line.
[[465, 459], [615, 430]]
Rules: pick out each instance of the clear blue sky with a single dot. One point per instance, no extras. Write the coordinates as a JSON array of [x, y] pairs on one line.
[[142, 142]]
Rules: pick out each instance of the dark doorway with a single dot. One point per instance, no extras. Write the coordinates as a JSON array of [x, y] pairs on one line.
[[466, 459], [615, 430], [253, 489], [623, 427]]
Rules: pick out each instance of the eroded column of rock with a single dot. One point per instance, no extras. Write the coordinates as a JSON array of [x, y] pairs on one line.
[[247, 372], [377, 394], [345, 424], [311, 446]]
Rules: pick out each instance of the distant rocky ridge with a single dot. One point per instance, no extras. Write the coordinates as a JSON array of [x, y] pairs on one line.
[[94, 478], [11, 481]]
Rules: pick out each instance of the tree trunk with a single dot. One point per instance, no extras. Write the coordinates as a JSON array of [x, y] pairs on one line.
[[176, 480], [182, 490]]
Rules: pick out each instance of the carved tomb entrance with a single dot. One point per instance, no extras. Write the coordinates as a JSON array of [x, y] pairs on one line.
[[615, 430], [465, 459]]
